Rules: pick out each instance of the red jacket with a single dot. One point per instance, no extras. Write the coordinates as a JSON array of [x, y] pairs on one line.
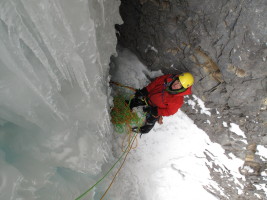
[[167, 103]]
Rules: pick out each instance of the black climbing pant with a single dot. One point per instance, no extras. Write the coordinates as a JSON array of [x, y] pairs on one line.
[[149, 124], [150, 119]]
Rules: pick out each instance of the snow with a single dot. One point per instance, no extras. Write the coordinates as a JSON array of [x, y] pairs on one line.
[[235, 129], [262, 152], [170, 164], [191, 103], [200, 103], [170, 161], [204, 110], [56, 139]]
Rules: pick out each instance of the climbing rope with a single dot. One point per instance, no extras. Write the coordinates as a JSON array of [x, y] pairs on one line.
[[134, 138], [127, 138], [125, 152], [119, 84], [121, 115]]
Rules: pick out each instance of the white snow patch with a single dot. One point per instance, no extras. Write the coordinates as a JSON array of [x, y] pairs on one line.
[[225, 124], [204, 110], [262, 152], [170, 161], [261, 187], [191, 103], [235, 128]]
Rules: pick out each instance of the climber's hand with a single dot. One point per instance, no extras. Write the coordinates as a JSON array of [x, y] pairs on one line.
[[160, 120]]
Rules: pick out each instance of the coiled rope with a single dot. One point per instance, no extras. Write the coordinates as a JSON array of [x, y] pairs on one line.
[[121, 115]]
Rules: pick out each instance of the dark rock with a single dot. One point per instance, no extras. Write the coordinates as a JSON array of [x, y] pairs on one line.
[[223, 43]]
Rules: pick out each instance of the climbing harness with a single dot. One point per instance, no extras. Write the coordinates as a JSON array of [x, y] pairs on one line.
[[145, 100]]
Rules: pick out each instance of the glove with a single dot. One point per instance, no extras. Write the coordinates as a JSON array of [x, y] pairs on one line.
[[141, 93], [151, 110]]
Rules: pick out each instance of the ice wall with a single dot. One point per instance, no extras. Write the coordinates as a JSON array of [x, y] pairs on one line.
[[54, 122]]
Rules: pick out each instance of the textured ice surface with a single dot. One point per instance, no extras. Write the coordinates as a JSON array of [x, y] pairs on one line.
[[54, 122]]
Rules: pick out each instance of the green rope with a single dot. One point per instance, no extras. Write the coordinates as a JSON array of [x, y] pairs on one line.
[[82, 195], [122, 117]]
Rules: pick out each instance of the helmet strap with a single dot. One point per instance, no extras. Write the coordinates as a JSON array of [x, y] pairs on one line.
[[169, 87]]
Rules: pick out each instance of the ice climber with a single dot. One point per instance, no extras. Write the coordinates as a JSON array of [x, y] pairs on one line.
[[162, 97]]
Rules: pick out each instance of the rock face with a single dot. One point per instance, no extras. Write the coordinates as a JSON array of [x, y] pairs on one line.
[[224, 44]]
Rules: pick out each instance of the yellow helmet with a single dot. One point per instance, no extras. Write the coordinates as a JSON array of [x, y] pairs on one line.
[[186, 79]]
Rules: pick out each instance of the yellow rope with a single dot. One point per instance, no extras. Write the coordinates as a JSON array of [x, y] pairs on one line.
[[136, 144], [119, 84], [129, 140], [121, 114], [119, 167]]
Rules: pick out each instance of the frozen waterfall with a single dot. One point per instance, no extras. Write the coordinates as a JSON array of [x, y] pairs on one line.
[[56, 139], [54, 123]]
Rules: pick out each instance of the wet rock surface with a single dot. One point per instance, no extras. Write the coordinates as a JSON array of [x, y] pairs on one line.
[[224, 44]]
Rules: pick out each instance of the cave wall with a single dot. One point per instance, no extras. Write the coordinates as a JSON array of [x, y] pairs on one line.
[[224, 44]]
